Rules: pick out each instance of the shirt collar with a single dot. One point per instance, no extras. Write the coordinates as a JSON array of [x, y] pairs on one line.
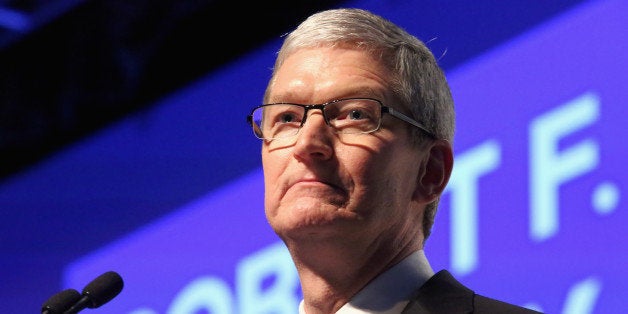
[[391, 291]]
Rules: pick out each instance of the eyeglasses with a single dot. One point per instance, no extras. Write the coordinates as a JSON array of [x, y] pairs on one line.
[[344, 116]]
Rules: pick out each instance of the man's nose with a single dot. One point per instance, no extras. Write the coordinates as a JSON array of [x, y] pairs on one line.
[[314, 140]]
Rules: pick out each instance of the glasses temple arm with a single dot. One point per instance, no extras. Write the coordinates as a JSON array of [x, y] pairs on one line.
[[407, 119]]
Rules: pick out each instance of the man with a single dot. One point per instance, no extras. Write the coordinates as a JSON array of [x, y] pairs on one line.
[[357, 129]]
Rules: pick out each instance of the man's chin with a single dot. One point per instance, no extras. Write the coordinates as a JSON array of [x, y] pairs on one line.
[[314, 224]]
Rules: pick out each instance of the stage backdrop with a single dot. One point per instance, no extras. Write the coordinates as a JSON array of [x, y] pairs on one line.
[[534, 213]]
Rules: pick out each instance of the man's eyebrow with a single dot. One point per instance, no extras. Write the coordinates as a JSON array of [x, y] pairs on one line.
[[363, 91]]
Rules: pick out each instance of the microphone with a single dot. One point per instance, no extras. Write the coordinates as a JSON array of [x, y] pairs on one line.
[[60, 302], [98, 292]]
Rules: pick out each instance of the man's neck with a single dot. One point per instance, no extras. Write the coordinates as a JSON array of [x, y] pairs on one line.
[[328, 286], [388, 292]]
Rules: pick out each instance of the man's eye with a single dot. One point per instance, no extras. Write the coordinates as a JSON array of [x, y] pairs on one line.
[[356, 114], [353, 114], [286, 118]]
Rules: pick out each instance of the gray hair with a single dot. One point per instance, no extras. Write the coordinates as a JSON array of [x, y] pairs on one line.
[[418, 83]]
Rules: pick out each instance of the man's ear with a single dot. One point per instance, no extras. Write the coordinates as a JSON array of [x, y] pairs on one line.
[[435, 171]]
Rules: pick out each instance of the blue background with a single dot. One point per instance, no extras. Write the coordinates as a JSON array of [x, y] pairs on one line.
[[87, 209]]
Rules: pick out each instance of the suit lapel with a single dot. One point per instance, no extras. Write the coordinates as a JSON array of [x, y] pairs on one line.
[[442, 293]]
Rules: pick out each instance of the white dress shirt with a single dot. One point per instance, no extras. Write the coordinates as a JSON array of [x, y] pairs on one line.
[[391, 291]]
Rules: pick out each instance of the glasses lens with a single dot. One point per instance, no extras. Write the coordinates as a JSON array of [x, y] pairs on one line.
[[353, 116], [277, 120]]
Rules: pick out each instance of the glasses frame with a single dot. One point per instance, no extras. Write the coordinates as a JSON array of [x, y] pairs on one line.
[[384, 109]]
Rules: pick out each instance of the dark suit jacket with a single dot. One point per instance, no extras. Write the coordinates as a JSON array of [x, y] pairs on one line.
[[444, 294]]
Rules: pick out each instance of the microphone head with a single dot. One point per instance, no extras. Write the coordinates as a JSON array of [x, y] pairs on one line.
[[102, 289], [61, 301]]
